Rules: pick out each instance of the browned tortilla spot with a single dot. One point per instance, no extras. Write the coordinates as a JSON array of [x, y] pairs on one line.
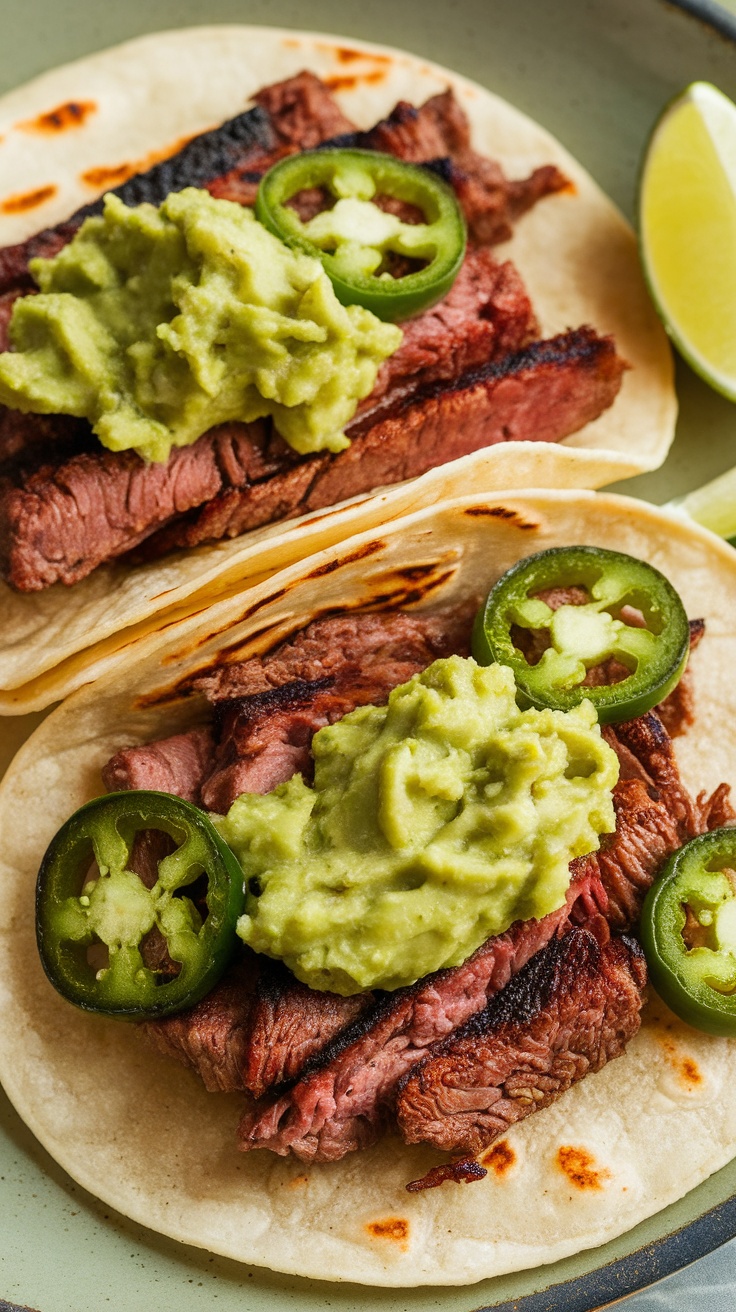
[[23, 201], [685, 1067], [112, 175], [500, 1158], [391, 1227], [108, 176], [580, 1168], [72, 114], [348, 81]]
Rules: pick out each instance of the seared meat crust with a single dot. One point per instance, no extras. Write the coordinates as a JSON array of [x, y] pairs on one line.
[[344, 1096], [571, 1010]]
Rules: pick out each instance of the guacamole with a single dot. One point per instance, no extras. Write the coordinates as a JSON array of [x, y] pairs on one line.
[[434, 822], [157, 324]]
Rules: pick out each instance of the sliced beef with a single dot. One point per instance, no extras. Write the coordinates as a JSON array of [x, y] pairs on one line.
[[439, 130], [542, 393], [268, 707], [344, 1095], [63, 513], [435, 133], [332, 666], [259, 1026], [256, 1028], [173, 765], [290, 1024], [571, 1010], [677, 711], [303, 111], [655, 814], [486, 314], [212, 1036], [25, 442]]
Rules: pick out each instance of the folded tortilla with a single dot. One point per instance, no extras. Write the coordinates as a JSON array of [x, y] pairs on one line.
[[143, 1135], [575, 252]]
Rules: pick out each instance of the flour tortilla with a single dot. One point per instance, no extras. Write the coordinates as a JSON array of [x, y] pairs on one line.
[[576, 253], [161, 1150]]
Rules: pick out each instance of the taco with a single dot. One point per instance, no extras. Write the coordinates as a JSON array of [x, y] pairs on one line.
[[145, 1135], [553, 315]]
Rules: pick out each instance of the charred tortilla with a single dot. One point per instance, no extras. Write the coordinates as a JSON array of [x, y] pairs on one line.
[[160, 1148], [574, 251]]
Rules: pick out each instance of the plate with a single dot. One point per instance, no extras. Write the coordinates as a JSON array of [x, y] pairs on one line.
[[596, 76]]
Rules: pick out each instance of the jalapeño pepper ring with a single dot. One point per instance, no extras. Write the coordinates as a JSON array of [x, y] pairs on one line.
[[621, 589], [87, 897], [693, 899], [356, 237]]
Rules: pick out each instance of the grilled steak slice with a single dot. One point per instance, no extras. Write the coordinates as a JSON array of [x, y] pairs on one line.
[[542, 393], [341, 1101], [332, 666], [677, 711], [256, 1028], [290, 1024], [172, 765], [573, 1008], [268, 707], [439, 129], [60, 519], [486, 314], [212, 1036], [259, 1025], [655, 815], [437, 133]]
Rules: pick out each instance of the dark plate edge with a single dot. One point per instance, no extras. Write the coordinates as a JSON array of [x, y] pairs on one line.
[[638, 1270], [710, 13]]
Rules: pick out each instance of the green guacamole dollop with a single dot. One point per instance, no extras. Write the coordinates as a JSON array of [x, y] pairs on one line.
[[434, 822], [158, 323]]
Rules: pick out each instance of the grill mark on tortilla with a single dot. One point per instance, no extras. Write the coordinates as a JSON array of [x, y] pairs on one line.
[[349, 81], [580, 1167], [501, 512], [71, 114], [360, 553], [22, 201]]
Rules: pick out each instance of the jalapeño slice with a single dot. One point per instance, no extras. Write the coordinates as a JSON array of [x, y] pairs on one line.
[[357, 240], [576, 622], [688, 932], [138, 947]]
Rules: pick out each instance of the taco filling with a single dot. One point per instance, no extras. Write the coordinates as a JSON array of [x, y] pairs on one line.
[[471, 370], [456, 1057]]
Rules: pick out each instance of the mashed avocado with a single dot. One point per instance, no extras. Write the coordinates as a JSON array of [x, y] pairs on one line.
[[434, 822], [157, 324]]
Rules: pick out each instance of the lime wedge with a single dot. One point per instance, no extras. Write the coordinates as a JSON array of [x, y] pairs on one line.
[[687, 226], [713, 505]]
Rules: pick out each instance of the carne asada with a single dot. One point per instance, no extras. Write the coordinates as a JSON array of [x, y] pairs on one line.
[[572, 1008], [66, 506], [257, 1028], [266, 711], [247, 649]]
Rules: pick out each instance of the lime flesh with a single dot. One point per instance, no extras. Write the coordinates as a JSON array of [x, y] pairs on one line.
[[687, 221]]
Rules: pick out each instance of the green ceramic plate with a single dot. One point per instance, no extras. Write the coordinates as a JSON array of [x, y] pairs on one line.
[[596, 74]]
